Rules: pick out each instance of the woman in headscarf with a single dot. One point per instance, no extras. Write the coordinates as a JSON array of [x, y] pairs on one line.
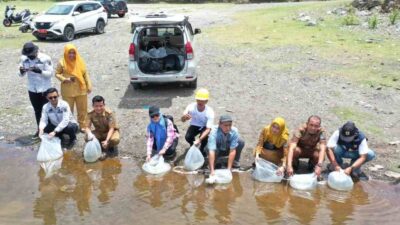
[[75, 82], [162, 137], [272, 143]]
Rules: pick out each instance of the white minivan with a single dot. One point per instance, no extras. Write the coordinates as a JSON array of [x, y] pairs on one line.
[[162, 50]]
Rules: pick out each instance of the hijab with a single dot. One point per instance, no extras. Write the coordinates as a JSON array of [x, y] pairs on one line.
[[277, 139], [159, 131], [75, 67]]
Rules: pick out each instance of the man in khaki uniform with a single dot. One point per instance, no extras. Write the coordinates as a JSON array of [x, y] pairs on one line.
[[106, 128]]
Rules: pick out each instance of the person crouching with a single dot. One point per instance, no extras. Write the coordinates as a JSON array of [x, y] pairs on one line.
[[162, 138]]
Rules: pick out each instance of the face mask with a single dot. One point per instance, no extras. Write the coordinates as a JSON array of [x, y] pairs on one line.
[[32, 57]]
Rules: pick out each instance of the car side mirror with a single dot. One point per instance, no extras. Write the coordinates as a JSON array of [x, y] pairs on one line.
[[197, 31], [76, 13]]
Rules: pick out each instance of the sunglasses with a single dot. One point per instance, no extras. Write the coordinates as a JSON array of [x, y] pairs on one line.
[[52, 97], [154, 116]]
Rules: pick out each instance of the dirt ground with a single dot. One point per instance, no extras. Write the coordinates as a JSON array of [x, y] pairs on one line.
[[239, 83]]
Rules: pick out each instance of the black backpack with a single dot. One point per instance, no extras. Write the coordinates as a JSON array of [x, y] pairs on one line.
[[169, 117]]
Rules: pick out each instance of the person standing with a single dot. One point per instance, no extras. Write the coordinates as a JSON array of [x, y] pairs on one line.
[[162, 137], [201, 118], [38, 68], [349, 142], [57, 118], [75, 82], [105, 125]]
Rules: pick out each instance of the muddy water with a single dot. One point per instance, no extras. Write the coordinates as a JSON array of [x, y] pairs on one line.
[[116, 191]]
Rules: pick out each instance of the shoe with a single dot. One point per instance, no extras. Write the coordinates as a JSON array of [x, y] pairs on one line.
[[35, 136], [103, 156], [236, 165], [71, 144], [360, 175]]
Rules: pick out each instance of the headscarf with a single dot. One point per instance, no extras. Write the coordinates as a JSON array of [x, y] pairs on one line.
[[280, 139], [159, 132], [77, 67]]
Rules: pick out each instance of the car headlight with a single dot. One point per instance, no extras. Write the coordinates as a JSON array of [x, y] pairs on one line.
[[53, 23]]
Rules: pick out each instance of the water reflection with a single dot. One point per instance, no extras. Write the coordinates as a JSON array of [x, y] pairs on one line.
[[271, 199], [74, 181], [224, 197], [342, 204]]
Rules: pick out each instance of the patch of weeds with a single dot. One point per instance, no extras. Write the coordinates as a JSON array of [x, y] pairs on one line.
[[363, 120], [351, 20], [373, 22], [394, 16]]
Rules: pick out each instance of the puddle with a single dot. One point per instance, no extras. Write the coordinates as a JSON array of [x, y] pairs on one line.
[[116, 191]]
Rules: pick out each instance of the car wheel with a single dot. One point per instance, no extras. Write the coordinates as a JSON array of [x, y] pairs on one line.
[[121, 15], [7, 22], [40, 38], [68, 33], [136, 86], [100, 27], [193, 84]]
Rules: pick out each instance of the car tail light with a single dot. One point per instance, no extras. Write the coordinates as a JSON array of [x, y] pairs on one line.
[[189, 51], [132, 52]]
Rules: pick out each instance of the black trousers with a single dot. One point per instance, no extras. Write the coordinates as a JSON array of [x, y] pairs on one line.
[[191, 134], [69, 130], [171, 151], [38, 100]]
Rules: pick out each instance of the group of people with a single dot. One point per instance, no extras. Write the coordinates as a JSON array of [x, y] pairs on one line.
[[54, 116], [216, 142]]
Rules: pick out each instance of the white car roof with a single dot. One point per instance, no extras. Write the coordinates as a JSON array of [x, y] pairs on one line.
[[75, 2], [157, 18]]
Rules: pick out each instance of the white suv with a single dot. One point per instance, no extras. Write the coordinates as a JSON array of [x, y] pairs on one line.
[[66, 19], [162, 50]]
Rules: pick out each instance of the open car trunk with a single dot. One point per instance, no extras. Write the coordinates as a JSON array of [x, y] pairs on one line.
[[161, 50]]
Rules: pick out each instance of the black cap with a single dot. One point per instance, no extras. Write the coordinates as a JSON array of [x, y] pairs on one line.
[[29, 49], [225, 118], [348, 131], [154, 110]]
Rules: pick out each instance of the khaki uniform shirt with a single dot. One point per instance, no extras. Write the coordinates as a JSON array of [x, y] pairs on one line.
[[306, 140], [102, 122], [71, 89]]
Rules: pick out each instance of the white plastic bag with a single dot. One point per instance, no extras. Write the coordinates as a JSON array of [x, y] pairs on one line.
[[304, 181], [156, 165], [194, 159], [340, 181], [50, 167], [221, 176], [265, 171], [50, 149], [92, 151]]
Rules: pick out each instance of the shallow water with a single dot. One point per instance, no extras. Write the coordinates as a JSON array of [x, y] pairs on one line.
[[116, 191]]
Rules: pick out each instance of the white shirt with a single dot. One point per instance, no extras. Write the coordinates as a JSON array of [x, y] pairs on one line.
[[332, 143], [200, 119], [59, 116], [37, 82]]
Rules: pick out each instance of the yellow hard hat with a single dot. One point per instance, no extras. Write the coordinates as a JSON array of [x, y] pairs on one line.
[[202, 94]]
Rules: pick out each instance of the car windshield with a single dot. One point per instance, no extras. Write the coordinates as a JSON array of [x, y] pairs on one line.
[[59, 10]]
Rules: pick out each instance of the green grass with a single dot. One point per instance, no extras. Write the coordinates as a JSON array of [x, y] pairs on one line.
[[11, 37], [277, 26], [362, 119]]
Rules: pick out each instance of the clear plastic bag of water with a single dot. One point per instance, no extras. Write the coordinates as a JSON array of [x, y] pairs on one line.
[[50, 149], [304, 181], [265, 171], [51, 167], [194, 159], [92, 151], [222, 176], [340, 181], [156, 165]]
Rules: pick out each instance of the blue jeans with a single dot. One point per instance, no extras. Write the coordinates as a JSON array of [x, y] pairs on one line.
[[341, 153]]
